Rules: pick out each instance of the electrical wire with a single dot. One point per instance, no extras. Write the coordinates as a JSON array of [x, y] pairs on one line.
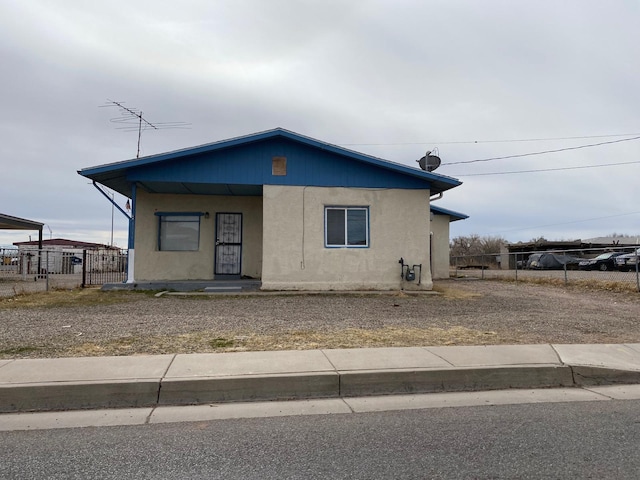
[[547, 169], [543, 152], [566, 223], [462, 142]]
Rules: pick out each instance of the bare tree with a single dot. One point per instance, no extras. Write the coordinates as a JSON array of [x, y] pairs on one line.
[[474, 244]]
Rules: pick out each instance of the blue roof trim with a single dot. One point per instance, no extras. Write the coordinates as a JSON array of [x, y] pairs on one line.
[[118, 174], [443, 211]]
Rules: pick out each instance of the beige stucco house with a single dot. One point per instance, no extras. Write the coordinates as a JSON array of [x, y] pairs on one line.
[[291, 211]]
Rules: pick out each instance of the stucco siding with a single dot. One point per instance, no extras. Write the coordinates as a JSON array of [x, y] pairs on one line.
[[294, 252], [440, 246], [152, 264]]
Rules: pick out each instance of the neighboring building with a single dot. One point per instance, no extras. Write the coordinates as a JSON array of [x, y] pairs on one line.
[[61, 255], [295, 212]]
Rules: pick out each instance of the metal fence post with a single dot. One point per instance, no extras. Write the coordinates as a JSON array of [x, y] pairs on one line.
[[482, 266], [47, 269], [84, 268], [637, 271], [566, 280]]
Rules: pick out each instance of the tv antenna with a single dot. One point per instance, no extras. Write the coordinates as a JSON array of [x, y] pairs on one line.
[[430, 161], [132, 120]]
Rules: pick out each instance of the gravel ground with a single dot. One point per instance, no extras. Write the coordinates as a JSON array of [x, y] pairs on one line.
[[497, 312]]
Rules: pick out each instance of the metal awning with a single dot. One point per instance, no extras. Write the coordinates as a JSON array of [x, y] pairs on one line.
[[7, 222]]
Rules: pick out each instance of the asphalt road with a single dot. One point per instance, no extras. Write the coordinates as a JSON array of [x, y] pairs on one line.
[[565, 440]]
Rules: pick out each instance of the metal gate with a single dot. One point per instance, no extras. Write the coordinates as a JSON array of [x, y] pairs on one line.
[[100, 267], [228, 253]]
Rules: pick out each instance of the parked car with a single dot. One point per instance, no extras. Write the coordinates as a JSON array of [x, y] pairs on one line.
[[627, 262], [603, 262], [552, 261]]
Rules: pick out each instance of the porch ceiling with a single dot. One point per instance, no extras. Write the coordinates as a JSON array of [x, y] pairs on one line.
[[202, 188]]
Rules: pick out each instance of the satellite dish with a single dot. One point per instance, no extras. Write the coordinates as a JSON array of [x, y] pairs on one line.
[[429, 162]]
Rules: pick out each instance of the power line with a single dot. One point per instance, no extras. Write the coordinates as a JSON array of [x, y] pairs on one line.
[[543, 152], [548, 169], [566, 223], [462, 142]]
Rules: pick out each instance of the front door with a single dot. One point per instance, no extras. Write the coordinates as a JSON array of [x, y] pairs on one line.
[[228, 243]]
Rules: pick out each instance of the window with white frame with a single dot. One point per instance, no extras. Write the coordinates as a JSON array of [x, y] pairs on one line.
[[178, 231], [346, 226]]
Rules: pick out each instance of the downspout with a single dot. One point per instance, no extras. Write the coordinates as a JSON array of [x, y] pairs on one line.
[[130, 252], [431, 199]]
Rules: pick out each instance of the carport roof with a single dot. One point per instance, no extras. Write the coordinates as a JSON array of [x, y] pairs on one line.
[[7, 222]]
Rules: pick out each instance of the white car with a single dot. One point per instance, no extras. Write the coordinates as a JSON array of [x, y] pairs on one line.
[[627, 262]]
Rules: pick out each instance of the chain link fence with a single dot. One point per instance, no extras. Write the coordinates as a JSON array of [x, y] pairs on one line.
[[605, 266], [26, 271]]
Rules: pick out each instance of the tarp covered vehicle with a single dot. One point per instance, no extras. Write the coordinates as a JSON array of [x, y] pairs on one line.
[[552, 261]]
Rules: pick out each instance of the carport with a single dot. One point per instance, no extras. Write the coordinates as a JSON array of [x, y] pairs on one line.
[[7, 222]]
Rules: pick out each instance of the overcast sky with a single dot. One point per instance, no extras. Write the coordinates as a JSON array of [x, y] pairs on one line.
[[388, 78]]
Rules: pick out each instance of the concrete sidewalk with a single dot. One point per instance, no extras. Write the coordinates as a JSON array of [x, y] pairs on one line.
[[195, 379]]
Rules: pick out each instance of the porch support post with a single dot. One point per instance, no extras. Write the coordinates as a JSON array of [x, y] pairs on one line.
[[132, 235]]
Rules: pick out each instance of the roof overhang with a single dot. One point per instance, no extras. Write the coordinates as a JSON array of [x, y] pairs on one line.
[[453, 216]]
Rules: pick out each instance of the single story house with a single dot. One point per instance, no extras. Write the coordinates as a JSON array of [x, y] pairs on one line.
[[295, 212]]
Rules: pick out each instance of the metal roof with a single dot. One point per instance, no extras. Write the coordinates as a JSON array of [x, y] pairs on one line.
[[443, 211], [242, 165], [64, 242], [7, 222]]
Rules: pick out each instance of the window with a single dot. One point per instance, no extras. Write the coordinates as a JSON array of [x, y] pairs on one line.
[[179, 231], [346, 226]]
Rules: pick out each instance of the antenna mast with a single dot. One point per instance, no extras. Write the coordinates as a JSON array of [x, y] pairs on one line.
[[133, 120]]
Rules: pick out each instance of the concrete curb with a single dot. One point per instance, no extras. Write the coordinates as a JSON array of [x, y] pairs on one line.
[[357, 384], [150, 381], [78, 395], [245, 388]]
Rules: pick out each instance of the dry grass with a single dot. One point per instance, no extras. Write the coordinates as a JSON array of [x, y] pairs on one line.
[[210, 342], [67, 298], [578, 284], [464, 313]]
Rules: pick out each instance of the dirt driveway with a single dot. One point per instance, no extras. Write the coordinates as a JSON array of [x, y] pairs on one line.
[[466, 312]]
